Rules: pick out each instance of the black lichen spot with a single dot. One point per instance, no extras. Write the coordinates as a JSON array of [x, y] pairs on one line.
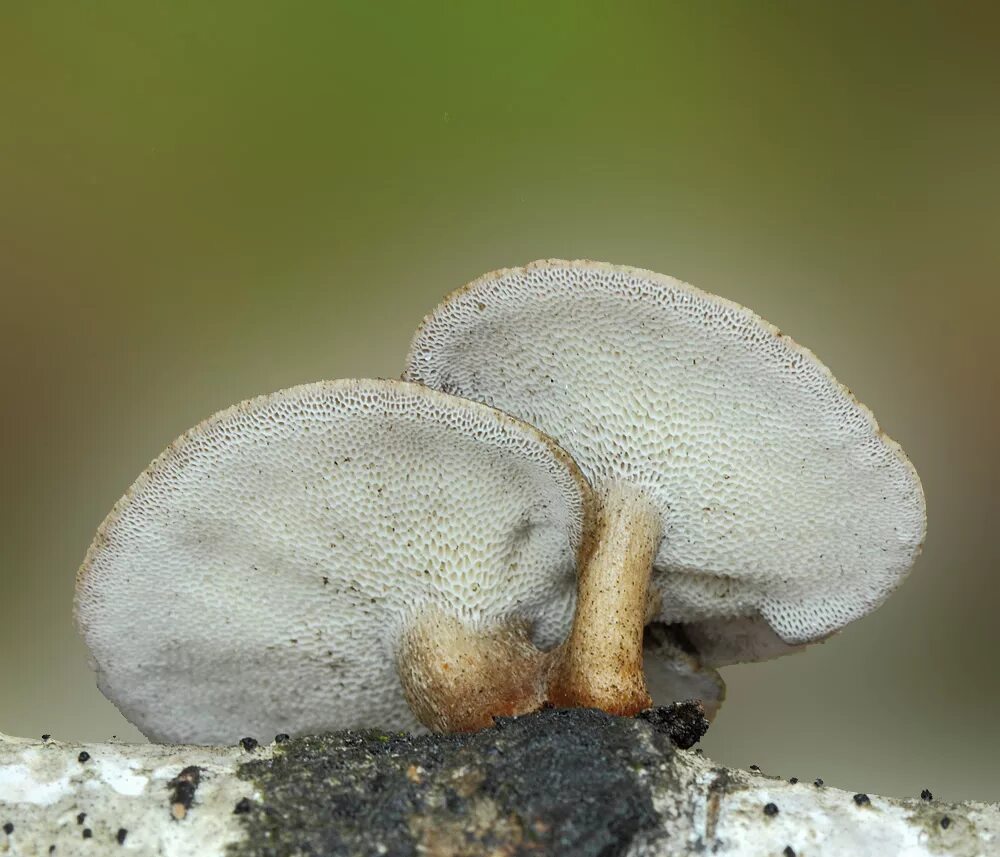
[[683, 722], [281, 738], [8, 828], [770, 809], [926, 795], [87, 833], [818, 782], [789, 851], [861, 799], [755, 768], [83, 757], [182, 791], [249, 744], [80, 816], [46, 736], [242, 807], [946, 822], [120, 836], [793, 780]]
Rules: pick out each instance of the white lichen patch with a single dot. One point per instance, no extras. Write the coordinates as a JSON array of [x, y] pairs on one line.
[[92, 798], [739, 813]]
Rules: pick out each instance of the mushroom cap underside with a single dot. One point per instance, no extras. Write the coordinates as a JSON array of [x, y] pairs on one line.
[[258, 575], [780, 495]]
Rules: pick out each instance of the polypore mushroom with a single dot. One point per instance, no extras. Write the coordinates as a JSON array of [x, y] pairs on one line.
[[728, 462], [341, 554]]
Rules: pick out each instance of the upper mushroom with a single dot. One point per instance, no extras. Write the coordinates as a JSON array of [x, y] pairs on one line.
[[334, 555], [726, 458]]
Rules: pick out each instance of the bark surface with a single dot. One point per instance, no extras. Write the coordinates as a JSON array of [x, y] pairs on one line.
[[559, 782]]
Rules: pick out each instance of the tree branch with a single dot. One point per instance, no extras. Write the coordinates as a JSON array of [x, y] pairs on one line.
[[572, 782]]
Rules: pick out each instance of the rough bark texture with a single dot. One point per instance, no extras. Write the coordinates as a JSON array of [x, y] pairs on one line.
[[560, 782]]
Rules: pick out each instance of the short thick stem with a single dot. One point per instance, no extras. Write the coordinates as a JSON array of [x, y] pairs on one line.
[[457, 678], [600, 665]]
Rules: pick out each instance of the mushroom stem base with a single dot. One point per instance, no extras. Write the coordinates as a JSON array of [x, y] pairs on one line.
[[457, 678], [600, 665]]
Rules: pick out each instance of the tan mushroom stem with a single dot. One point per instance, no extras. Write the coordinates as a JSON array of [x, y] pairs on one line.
[[457, 678], [600, 665]]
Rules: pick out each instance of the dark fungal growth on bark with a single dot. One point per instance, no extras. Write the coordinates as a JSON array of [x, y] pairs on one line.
[[501, 790], [684, 723]]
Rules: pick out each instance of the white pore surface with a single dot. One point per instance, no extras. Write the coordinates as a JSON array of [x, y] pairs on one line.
[[257, 576], [779, 493]]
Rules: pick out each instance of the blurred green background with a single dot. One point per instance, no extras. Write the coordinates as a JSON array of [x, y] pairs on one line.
[[200, 202]]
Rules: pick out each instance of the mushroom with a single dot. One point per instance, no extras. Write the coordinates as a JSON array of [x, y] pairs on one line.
[[744, 494], [334, 555]]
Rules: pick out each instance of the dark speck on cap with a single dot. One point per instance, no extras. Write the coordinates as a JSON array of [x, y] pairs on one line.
[[122, 833], [242, 807], [87, 833], [861, 799], [8, 828], [83, 757], [817, 782], [80, 816], [770, 809], [926, 795], [249, 744], [789, 851], [281, 738], [946, 822]]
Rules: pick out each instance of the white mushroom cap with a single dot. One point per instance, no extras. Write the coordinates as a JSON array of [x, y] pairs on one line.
[[779, 494], [258, 576]]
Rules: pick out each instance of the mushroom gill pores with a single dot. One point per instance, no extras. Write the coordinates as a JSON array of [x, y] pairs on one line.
[[344, 554], [736, 480]]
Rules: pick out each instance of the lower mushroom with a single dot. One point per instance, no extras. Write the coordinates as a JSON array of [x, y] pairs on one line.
[[337, 555]]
